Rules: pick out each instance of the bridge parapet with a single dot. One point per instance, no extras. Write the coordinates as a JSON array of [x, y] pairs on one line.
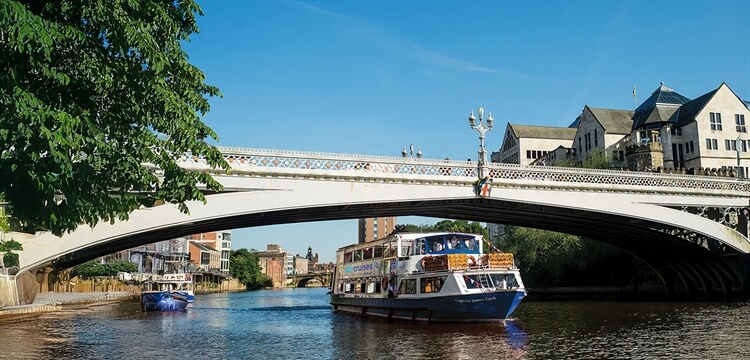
[[331, 166]]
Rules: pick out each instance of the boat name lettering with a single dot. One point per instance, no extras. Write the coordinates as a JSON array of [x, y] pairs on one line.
[[358, 268], [470, 301]]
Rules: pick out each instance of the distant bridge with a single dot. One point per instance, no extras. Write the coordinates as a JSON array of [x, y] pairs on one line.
[[301, 280], [692, 230]]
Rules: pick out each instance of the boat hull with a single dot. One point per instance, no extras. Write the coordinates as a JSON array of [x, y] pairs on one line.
[[163, 301], [476, 307]]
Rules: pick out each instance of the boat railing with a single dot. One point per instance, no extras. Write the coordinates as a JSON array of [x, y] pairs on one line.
[[467, 262]]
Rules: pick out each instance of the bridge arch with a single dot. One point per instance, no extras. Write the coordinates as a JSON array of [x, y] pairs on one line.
[[640, 225]]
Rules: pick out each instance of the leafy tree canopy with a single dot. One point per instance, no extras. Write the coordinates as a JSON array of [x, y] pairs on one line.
[[445, 226], [95, 268], [95, 96], [245, 266]]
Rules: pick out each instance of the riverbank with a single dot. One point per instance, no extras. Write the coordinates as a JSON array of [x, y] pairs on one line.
[[51, 301]]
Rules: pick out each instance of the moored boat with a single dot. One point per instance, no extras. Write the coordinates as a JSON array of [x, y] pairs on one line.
[[168, 292], [163, 301], [442, 277]]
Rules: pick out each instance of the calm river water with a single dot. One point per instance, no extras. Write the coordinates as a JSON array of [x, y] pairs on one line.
[[299, 324]]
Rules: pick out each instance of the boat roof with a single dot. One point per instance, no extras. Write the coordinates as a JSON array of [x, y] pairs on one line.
[[404, 236]]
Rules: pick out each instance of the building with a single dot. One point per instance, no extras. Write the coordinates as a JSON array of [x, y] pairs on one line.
[[164, 257], [204, 257], [376, 228], [301, 265], [273, 264], [604, 130], [704, 135], [219, 240], [523, 144]]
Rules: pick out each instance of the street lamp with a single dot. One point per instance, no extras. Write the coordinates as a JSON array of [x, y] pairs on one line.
[[481, 128], [411, 151]]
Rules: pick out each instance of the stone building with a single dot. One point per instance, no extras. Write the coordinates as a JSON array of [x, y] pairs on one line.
[[524, 144], [273, 264], [375, 228]]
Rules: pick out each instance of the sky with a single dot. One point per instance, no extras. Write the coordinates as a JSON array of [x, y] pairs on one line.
[[370, 77]]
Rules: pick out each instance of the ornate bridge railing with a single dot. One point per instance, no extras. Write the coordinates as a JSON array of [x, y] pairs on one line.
[[295, 163]]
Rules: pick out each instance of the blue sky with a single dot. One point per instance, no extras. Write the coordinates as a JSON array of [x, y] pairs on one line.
[[370, 77]]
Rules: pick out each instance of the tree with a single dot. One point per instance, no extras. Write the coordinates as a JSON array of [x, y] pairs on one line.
[[97, 99], [245, 266], [94, 268], [9, 258]]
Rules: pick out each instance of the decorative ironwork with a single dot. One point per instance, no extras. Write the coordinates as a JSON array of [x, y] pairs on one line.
[[373, 166]]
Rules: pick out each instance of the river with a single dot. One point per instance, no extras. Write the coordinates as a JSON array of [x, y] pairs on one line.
[[299, 324]]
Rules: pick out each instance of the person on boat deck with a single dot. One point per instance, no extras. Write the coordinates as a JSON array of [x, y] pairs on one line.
[[392, 287], [470, 282], [437, 247]]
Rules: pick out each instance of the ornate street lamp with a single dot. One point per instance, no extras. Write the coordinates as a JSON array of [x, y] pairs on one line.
[[411, 151], [481, 128]]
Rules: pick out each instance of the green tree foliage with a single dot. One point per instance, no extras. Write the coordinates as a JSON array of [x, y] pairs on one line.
[[95, 96], [8, 246], [549, 258], [245, 266], [94, 268]]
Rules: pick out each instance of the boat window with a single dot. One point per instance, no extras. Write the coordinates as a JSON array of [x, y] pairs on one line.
[[357, 255], [349, 288], [432, 284], [390, 249], [367, 253], [470, 243], [341, 287], [378, 251], [472, 281], [373, 287], [420, 250], [405, 248], [408, 286], [347, 258], [436, 245], [454, 243], [505, 281]]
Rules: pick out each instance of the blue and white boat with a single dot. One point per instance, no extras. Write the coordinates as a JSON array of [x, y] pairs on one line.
[[181, 283], [168, 292], [163, 301], [442, 277]]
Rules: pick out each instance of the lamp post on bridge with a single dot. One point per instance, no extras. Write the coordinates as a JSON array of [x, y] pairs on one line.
[[411, 151], [481, 128]]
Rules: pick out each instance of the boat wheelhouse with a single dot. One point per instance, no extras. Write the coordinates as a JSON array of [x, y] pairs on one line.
[[426, 277]]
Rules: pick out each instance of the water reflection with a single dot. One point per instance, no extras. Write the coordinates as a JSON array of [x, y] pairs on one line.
[[299, 324], [354, 336]]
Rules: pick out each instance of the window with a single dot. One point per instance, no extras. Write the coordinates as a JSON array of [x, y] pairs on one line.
[[712, 144], [528, 154], [745, 145], [692, 147], [408, 286], [739, 120], [587, 139], [715, 121], [727, 144], [579, 144]]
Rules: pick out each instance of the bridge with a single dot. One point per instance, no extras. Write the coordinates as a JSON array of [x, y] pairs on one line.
[[301, 280], [692, 230]]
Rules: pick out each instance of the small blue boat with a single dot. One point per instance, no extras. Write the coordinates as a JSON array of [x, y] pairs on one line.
[[163, 301]]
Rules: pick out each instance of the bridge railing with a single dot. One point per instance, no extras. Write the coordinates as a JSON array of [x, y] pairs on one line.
[[390, 167]]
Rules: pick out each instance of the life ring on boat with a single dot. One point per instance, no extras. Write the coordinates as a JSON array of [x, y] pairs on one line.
[[384, 283], [472, 261]]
